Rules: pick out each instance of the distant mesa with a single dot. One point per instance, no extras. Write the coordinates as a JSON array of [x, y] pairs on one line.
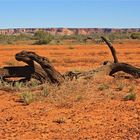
[[66, 31]]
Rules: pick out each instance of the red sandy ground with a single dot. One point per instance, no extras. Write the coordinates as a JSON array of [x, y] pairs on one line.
[[91, 114]]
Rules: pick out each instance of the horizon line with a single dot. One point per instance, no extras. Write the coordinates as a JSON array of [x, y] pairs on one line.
[[70, 28]]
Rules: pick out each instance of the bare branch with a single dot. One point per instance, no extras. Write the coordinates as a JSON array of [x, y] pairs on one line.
[[113, 51]]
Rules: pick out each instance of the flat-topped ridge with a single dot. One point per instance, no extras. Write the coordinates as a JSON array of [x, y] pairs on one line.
[[67, 31]]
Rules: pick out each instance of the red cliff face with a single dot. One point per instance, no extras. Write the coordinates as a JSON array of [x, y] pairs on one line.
[[67, 31]]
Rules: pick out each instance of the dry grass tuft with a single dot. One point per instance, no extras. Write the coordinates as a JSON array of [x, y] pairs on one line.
[[27, 97], [130, 96], [71, 93]]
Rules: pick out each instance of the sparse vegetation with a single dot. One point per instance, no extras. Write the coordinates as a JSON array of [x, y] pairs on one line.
[[45, 92], [18, 85], [135, 35], [103, 87], [12, 39], [74, 105], [130, 96], [120, 86], [43, 37], [6, 86], [33, 83], [27, 97]]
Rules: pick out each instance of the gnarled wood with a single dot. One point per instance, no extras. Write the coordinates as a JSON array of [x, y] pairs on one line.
[[40, 68], [108, 69], [24, 72], [113, 51], [127, 68], [51, 75], [18, 71]]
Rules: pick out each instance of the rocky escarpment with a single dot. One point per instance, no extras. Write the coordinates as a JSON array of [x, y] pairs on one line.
[[67, 31]]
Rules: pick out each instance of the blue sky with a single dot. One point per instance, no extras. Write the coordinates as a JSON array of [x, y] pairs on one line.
[[70, 13]]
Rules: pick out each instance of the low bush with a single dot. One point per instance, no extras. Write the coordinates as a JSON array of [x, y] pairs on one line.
[[135, 35], [43, 37], [12, 39]]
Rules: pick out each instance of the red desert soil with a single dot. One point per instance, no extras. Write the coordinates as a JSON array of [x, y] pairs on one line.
[[80, 110]]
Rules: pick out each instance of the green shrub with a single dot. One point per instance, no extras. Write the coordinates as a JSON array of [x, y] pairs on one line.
[[81, 38], [111, 37], [7, 39], [43, 37], [135, 35]]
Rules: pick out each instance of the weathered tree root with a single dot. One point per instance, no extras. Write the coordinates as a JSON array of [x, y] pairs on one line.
[[45, 70], [41, 69], [116, 66], [108, 68]]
